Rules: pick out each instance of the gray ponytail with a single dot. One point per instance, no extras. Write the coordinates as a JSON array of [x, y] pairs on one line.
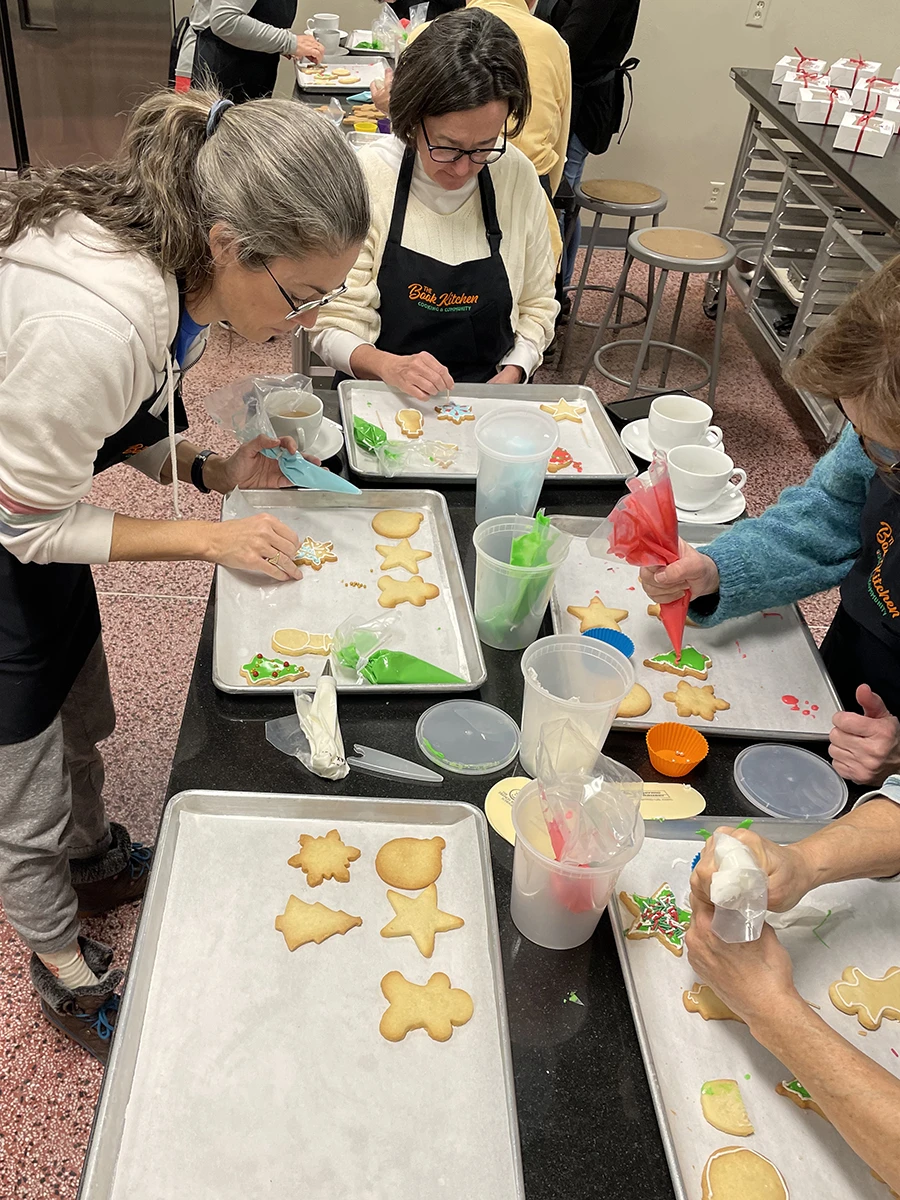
[[279, 175]]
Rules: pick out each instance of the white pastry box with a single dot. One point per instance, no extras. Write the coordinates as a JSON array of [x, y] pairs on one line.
[[864, 133], [897, 75], [797, 62], [891, 112], [795, 80], [847, 72], [822, 105], [870, 95]]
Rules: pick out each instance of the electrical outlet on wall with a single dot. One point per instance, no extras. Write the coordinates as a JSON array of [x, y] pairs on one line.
[[715, 194], [756, 15]]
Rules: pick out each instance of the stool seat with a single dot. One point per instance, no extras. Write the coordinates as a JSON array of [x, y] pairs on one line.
[[620, 191], [688, 250]]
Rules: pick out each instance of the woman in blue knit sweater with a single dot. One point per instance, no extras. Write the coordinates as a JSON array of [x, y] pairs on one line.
[[839, 527]]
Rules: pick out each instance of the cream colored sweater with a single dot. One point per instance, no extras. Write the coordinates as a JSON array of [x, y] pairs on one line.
[[448, 226]]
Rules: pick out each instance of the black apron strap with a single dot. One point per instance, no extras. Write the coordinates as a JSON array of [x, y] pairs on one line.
[[401, 197], [489, 211]]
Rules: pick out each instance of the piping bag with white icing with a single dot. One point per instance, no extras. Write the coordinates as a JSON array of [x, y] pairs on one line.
[[313, 735], [739, 889]]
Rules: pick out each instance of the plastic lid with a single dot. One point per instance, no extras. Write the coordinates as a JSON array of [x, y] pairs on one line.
[[785, 781], [520, 433], [468, 737]]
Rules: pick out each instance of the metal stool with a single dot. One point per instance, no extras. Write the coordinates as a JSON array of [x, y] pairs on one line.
[[614, 198], [692, 253]]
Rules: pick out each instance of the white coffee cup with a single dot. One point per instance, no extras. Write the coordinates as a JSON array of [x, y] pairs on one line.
[[681, 421], [700, 474], [295, 414], [323, 21], [328, 39]]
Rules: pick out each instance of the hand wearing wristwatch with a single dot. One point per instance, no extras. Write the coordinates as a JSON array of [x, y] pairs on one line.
[[197, 470]]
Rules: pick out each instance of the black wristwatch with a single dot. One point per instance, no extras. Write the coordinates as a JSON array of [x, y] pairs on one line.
[[197, 470]]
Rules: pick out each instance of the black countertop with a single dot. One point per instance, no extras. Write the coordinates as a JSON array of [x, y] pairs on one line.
[[874, 181], [587, 1122]]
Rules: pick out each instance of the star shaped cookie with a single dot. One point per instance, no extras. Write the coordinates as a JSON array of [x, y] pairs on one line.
[[420, 918], [324, 858], [596, 615], [691, 701], [402, 555], [562, 410], [657, 916], [311, 553]]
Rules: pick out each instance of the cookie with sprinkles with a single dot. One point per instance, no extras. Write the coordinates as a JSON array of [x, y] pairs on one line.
[[657, 916], [311, 553], [457, 413]]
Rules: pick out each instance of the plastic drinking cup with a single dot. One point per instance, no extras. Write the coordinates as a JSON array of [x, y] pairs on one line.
[[571, 676], [510, 602], [556, 905], [514, 448]]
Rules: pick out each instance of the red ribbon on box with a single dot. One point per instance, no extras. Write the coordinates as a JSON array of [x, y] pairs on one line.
[[803, 58], [833, 93], [876, 83], [862, 123], [859, 63]]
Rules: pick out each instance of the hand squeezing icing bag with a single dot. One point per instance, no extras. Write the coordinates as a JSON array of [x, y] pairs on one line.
[[739, 889]]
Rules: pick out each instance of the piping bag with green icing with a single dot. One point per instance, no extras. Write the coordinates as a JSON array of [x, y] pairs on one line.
[[532, 549], [395, 666]]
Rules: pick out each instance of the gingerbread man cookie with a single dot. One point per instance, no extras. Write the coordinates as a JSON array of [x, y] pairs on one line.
[[301, 923], [402, 555], [597, 615], [311, 553], [691, 701], [657, 916], [871, 999], [435, 1007], [413, 591], [411, 422], [324, 858]]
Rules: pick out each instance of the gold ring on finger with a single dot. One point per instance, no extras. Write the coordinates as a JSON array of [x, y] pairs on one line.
[[274, 561]]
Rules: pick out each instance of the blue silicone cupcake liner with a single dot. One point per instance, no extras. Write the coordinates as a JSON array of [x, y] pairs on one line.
[[613, 637]]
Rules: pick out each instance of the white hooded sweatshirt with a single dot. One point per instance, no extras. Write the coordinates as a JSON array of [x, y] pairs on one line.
[[85, 330]]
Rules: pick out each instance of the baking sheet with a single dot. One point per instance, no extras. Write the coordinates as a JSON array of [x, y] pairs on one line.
[[682, 1051], [755, 660], [248, 610], [594, 442], [242, 1070], [368, 69], [364, 35]]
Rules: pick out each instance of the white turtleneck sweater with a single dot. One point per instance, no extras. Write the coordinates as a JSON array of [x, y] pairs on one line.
[[448, 226]]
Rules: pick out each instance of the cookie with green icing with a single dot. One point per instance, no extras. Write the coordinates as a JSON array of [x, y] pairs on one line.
[[794, 1090], [272, 671], [657, 916], [689, 662]]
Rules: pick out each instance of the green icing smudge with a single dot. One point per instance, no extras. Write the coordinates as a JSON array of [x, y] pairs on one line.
[[431, 750], [572, 998]]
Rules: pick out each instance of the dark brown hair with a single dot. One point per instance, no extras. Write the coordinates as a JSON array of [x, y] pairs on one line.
[[461, 61], [855, 354]]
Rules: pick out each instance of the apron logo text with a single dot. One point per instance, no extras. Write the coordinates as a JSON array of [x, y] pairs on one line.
[[879, 593], [425, 297]]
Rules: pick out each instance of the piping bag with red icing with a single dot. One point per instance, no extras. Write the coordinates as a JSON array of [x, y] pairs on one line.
[[644, 531]]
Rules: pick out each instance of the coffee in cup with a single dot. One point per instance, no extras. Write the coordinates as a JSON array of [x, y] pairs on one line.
[[295, 414], [700, 474], [681, 421]]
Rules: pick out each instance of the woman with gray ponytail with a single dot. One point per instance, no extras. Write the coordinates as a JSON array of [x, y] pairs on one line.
[[109, 277]]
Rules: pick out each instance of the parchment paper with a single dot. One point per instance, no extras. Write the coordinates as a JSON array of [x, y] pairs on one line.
[[262, 1073], [688, 1051]]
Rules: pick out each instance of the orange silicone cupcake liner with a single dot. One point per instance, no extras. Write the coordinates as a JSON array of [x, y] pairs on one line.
[[676, 749]]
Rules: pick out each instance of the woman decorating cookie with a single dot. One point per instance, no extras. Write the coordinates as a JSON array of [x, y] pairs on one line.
[[755, 979], [110, 276], [455, 281], [839, 527]]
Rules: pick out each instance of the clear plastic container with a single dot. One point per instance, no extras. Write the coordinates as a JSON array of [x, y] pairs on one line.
[[553, 904], [571, 676], [514, 448], [786, 781], [510, 602], [468, 737]]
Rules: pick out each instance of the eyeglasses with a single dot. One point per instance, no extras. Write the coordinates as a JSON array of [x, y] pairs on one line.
[[305, 305], [885, 459], [450, 154]]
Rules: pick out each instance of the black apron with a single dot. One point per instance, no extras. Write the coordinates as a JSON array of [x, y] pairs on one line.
[[49, 616], [243, 74], [461, 314], [597, 106], [863, 643]]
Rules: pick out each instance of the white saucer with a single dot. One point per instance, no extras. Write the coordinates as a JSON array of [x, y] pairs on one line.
[[329, 440], [728, 507], [635, 438]]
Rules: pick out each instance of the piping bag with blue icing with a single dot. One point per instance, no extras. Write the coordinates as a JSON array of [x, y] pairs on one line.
[[307, 475]]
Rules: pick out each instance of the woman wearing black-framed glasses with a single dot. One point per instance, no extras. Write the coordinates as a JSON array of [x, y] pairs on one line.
[[456, 280]]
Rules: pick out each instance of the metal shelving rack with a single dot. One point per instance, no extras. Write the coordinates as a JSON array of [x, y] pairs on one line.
[[783, 211]]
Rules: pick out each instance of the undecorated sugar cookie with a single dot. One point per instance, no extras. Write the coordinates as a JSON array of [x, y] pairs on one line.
[[403, 555], [301, 923], [736, 1174], [703, 1000], [794, 1090], [410, 863], [653, 610], [636, 703], [394, 523], [324, 858], [596, 615], [420, 918], [413, 591], [691, 662], [657, 916], [870, 999], [691, 701], [435, 1007], [723, 1107]]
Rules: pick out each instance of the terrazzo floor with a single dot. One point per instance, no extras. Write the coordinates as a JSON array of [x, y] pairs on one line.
[[152, 614]]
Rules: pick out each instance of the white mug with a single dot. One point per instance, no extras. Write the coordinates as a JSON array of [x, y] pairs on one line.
[[323, 21], [700, 474], [329, 39], [681, 421], [295, 414]]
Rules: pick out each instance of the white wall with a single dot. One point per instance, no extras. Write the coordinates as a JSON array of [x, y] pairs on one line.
[[688, 117]]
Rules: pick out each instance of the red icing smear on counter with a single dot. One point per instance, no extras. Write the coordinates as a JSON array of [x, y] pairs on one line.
[[792, 701], [794, 704]]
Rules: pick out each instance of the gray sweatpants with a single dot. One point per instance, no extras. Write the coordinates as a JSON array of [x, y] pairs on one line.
[[51, 811]]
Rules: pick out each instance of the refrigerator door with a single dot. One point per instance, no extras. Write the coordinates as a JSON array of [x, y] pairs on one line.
[[81, 65]]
